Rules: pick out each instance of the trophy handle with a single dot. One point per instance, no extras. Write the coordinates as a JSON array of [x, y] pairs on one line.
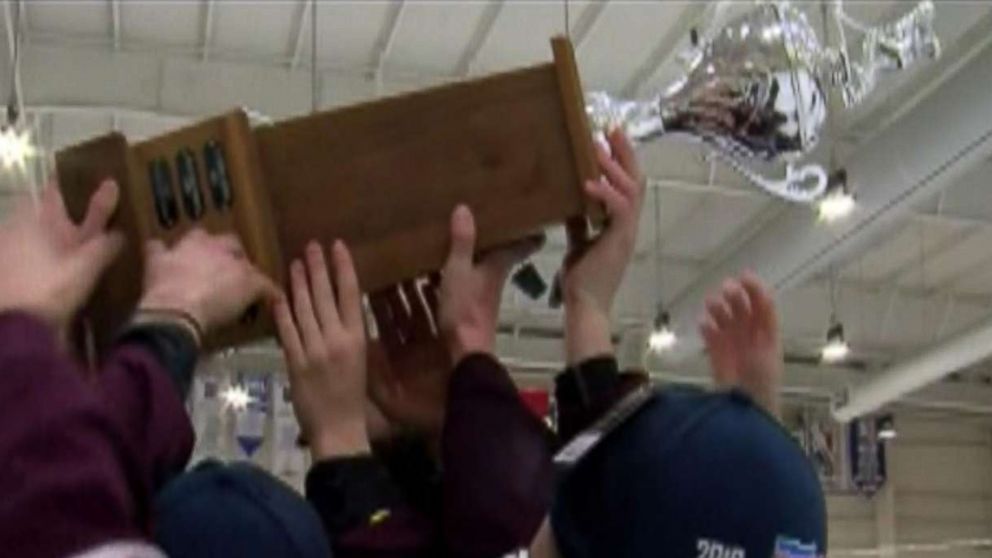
[[804, 184]]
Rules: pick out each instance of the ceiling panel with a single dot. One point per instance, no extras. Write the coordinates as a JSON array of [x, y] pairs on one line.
[[967, 256], [347, 33], [266, 29], [978, 281], [619, 42], [642, 288], [67, 129], [966, 316], [971, 196], [900, 253], [713, 221], [162, 23], [432, 36], [521, 35], [68, 16], [673, 205], [141, 128]]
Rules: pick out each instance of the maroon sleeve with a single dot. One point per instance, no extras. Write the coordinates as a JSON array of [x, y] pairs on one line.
[[363, 512], [585, 392], [496, 459], [78, 461]]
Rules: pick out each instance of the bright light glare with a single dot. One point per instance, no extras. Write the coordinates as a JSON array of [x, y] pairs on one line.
[[15, 147], [836, 205], [236, 397], [662, 339], [835, 350], [886, 433]]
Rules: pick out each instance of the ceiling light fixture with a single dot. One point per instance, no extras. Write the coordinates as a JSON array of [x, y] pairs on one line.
[[838, 202], [15, 147], [662, 337], [885, 427], [236, 397], [836, 349], [15, 143]]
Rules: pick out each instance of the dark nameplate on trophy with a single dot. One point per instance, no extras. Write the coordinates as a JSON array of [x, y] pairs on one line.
[[383, 176]]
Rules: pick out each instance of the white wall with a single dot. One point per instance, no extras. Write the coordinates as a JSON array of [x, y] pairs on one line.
[[939, 491]]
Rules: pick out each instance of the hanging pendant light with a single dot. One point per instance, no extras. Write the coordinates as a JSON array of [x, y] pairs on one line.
[[662, 337], [15, 147], [838, 202], [885, 427], [15, 140], [836, 348]]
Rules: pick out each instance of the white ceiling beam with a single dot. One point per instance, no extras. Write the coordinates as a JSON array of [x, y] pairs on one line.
[[207, 33], [302, 18], [691, 16], [905, 165], [915, 373], [115, 23], [702, 188], [587, 23], [466, 62], [387, 38]]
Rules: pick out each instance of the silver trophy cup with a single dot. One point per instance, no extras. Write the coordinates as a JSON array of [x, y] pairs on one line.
[[757, 90]]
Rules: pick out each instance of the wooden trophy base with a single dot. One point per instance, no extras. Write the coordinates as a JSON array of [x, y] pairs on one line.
[[382, 176]]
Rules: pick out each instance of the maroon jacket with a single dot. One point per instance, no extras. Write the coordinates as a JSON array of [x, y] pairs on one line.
[[80, 460], [496, 482]]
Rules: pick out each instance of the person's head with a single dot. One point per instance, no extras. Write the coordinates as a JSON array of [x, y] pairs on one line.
[[690, 474], [236, 510]]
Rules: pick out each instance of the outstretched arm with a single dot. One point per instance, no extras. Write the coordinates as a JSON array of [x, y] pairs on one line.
[[740, 329]]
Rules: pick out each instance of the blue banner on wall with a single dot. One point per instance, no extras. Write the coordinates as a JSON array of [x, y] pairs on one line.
[[867, 456]]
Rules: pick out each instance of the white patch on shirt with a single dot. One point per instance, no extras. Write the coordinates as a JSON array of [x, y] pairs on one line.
[[709, 548], [122, 549]]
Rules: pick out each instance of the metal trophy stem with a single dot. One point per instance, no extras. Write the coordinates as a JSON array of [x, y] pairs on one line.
[[755, 90]]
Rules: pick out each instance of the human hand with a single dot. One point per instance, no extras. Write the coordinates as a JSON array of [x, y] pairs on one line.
[[592, 272], [470, 291], [323, 340], [409, 364], [51, 264], [740, 329], [207, 277]]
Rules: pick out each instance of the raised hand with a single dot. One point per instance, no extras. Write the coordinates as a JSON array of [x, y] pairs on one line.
[[51, 265], [323, 340], [470, 291], [593, 271], [207, 277], [740, 329], [409, 365]]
